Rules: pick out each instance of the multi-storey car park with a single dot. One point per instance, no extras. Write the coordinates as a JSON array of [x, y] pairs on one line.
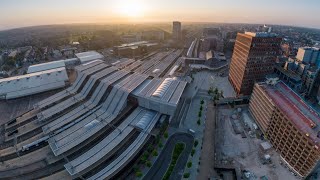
[[290, 124], [97, 126]]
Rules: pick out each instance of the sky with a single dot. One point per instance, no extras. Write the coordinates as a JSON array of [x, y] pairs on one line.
[[20, 13]]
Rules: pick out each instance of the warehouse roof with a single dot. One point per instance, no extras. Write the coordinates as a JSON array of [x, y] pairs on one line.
[[19, 86], [88, 56], [46, 66]]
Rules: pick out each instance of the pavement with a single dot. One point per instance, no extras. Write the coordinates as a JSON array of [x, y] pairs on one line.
[[204, 79], [160, 167], [206, 168]]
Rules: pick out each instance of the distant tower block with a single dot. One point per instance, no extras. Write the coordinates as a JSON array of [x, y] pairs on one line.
[[176, 30]]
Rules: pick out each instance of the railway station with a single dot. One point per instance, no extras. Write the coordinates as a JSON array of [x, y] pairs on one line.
[[95, 127]]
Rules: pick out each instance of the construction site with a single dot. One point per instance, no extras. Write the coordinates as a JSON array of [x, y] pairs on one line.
[[96, 126], [240, 152]]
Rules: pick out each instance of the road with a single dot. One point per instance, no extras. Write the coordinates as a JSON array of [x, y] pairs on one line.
[[161, 165]]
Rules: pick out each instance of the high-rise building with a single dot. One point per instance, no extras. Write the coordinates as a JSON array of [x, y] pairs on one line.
[[176, 30], [290, 125], [309, 55], [254, 57]]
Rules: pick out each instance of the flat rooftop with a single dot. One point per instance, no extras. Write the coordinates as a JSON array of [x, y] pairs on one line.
[[261, 34], [88, 56], [46, 66], [295, 108], [24, 85]]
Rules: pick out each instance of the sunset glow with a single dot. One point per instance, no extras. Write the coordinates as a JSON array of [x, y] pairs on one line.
[[130, 8], [39, 12]]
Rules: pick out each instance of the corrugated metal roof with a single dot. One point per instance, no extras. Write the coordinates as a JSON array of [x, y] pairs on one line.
[[33, 83], [46, 66], [88, 56]]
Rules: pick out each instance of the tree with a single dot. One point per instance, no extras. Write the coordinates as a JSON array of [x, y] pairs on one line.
[[196, 142], [150, 148], [148, 163], [202, 101], [166, 135], [186, 175], [189, 164], [155, 153], [216, 91], [192, 152], [198, 122]]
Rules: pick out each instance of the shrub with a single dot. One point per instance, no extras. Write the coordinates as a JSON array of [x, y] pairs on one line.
[[154, 153], [148, 163], [196, 142], [165, 135], [202, 101], [176, 153], [186, 175], [189, 164], [198, 122], [200, 114], [201, 108]]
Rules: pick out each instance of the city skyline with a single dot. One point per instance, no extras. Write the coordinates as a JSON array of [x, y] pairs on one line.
[[17, 13]]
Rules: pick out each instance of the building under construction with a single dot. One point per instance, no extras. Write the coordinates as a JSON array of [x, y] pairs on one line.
[[95, 128], [291, 125]]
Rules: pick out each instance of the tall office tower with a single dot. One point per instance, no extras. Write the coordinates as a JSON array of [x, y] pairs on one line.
[[254, 57], [176, 30], [290, 124], [309, 55]]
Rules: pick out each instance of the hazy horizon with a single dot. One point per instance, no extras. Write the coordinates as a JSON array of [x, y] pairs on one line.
[[16, 14]]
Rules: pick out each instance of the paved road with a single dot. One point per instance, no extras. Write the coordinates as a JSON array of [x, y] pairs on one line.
[[161, 165]]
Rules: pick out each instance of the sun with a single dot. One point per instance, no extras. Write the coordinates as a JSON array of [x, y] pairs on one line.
[[131, 8]]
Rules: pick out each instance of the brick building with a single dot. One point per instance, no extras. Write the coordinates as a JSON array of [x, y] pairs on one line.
[[290, 124], [254, 57]]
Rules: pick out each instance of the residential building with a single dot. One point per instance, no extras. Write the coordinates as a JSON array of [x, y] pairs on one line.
[[134, 49], [318, 95], [176, 30], [130, 38], [290, 124], [308, 74], [254, 57], [157, 35]]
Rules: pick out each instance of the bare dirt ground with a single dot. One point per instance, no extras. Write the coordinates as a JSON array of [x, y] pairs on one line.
[[233, 150]]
